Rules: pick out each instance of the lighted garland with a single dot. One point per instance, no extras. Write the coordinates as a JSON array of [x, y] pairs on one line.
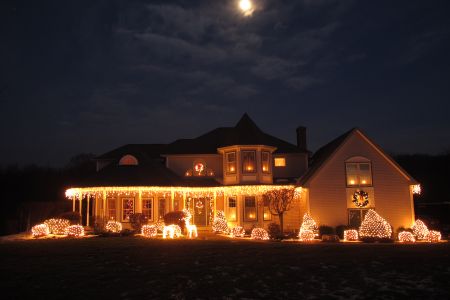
[[433, 236], [374, 226], [40, 230], [259, 234], [220, 223], [406, 237], [360, 198], [350, 235], [113, 226], [149, 231], [420, 230], [237, 231], [75, 231], [57, 226]]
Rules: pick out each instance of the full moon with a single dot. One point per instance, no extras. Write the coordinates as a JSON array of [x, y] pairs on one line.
[[246, 7]]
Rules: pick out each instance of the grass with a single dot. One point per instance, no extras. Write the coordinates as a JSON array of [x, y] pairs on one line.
[[131, 267]]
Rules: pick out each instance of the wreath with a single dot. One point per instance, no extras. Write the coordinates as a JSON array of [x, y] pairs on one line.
[[199, 205], [360, 198]]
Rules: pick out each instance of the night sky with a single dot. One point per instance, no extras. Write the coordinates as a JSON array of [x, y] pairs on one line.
[[89, 76]]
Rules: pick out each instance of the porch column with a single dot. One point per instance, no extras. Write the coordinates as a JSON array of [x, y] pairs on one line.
[[104, 206], [87, 210], [139, 202], [183, 206], [215, 204], [172, 199], [95, 207], [73, 203], [81, 206]]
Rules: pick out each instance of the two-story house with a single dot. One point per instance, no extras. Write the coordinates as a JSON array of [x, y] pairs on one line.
[[230, 168]]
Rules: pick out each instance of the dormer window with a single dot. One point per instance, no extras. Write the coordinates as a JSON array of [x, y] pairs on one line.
[[230, 162], [358, 174], [248, 161], [128, 160], [280, 162], [265, 162]]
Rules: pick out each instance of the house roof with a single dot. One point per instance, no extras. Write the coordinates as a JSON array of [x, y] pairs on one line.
[[326, 152], [143, 152], [246, 132]]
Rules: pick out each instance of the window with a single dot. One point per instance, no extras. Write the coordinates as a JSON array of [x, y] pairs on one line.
[[267, 216], [147, 208], [111, 208], [231, 162], [176, 205], [265, 162], [128, 160], [356, 216], [161, 208], [127, 209], [250, 213], [232, 209], [248, 161], [358, 174], [280, 162]]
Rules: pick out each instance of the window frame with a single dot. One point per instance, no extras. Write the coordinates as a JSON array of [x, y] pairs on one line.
[[228, 163], [277, 165], [161, 200], [362, 214], [232, 208], [146, 209], [109, 209], [358, 174], [266, 204], [254, 170], [268, 171], [255, 208], [122, 209]]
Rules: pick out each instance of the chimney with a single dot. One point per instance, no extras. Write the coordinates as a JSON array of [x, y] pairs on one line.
[[301, 138]]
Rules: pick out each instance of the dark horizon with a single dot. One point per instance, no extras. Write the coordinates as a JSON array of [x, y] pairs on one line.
[[90, 76]]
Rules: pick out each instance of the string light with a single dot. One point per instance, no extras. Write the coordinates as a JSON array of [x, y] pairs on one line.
[[75, 231], [220, 222], [113, 226], [172, 231], [40, 230], [374, 226], [259, 234], [406, 237], [350, 235], [149, 231], [160, 226], [434, 236], [416, 189], [308, 229], [57, 226], [237, 231], [306, 235], [420, 230]]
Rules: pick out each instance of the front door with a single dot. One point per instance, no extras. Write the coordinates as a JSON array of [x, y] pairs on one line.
[[201, 211]]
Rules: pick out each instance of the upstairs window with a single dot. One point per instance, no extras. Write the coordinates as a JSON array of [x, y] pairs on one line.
[[248, 161], [230, 158], [128, 160], [280, 162], [358, 174], [265, 162]]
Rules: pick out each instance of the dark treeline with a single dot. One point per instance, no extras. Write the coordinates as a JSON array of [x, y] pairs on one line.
[[31, 193]]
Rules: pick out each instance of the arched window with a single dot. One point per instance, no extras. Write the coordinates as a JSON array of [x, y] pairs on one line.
[[358, 171], [128, 160]]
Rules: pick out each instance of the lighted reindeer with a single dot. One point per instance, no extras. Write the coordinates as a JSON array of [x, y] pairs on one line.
[[171, 231], [191, 229]]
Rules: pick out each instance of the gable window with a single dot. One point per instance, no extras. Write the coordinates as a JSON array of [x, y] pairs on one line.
[[358, 174], [127, 209], [111, 208], [265, 162], [267, 216], [232, 209], [248, 161], [147, 208], [280, 162], [250, 213], [128, 160], [230, 162]]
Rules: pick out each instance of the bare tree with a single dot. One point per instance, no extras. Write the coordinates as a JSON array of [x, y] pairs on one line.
[[280, 201]]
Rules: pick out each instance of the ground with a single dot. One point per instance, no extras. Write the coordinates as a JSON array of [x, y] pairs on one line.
[[139, 268]]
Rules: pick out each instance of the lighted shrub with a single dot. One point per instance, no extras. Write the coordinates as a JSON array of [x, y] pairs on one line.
[[237, 231], [171, 231], [433, 236], [274, 231], [340, 230], [57, 226], [149, 231], [406, 237], [40, 230], [351, 235], [160, 226], [420, 230], [75, 231], [306, 235], [220, 223], [375, 228], [259, 234], [113, 226]]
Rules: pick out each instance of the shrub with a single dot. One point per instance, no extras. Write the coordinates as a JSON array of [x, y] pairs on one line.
[[73, 217], [75, 231], [306, 235], [113, 226], [137, 220], [57, 226], [340, 230], [149, 231], [324, 229], [274, 231], [351, 235], [175, 218], [40, 230], [259, 234], [237, 231]]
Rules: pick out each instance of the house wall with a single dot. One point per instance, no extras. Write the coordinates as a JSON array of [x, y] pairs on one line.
[[181, 163], [390, 195], [296, 165]]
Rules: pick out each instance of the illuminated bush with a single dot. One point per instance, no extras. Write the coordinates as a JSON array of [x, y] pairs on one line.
[[306, 235], [57, 226], [259, 234], [374, 226], [220, 223], [237, 231], [406, 237], [171, 231], [113, 226], [433, 236], [40, 230], [350, 235], [149, 231], [420, 230], [160, 226], [75, 231]]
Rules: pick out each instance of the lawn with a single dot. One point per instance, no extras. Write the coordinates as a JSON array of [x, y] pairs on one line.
[[138, 268]]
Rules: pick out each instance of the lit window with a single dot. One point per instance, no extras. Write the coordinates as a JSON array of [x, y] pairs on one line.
[[128, 160], [147, 208], [265, 161], [280, 162], [358, 174], [111, 208], [161, 208], [250, 213], [248, 161], [232, 209], [127, 209], [267, 215], [231, 162]]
